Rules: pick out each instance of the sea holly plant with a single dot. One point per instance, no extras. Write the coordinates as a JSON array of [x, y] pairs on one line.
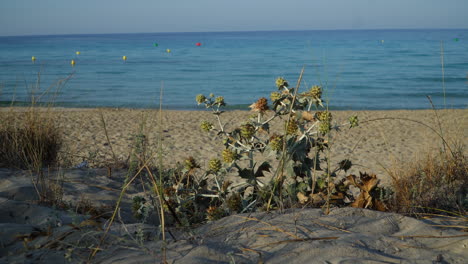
[[299, 148]]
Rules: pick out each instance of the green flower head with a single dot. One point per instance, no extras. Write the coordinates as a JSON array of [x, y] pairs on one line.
[[276, 143], [353, 121], [229, 156], [247, 130], [315, 92], [206, 126], [220, 101], [200, 99], [281, 82], [291, 127], [324, 127], [275, 96], [325, 116], [214, 165]]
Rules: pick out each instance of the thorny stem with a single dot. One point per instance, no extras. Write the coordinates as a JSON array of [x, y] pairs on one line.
[[309, 106], [314, 175], [308, 131], [217, 182], [220, 125], [237, 141], [280, 170], [251, 162], [271, 118]]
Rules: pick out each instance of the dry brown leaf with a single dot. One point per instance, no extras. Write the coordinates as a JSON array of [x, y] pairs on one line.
[[317, 198], [308, 116], [302, 198]]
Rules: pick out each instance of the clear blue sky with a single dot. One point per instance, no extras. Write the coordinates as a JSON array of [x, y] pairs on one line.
[[37, 17]]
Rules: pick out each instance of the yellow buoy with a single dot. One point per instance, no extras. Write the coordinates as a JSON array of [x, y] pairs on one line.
[[78, 53], [33, 59], [72, 62], [124, 58], [168, 51]]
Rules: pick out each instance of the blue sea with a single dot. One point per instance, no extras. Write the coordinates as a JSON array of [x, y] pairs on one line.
[[359, 69]]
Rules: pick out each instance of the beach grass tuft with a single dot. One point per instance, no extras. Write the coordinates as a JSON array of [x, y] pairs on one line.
[[31, 141], [437, 182]]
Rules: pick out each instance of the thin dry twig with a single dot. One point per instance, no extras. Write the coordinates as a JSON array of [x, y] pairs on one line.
[[275, 228], [295, 240], [431, 236], [330, 226]]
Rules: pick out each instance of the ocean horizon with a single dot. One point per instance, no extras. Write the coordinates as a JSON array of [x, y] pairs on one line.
[[358, 69]]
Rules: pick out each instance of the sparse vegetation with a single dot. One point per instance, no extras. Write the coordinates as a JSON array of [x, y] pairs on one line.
[[433, 184], [31, 141], [303, 176]]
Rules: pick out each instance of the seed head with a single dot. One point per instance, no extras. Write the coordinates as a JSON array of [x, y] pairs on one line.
[[315, 92], [280, 83], [220, 101], [200, 99], [191, 163], [291, 127], [260, 106], [214, 213], [234, 202], [324, 127], [214, 165], [229, 156], [353, 121], [275, 96], [206, 126], [276, 142], [247, 130], [324, 116]]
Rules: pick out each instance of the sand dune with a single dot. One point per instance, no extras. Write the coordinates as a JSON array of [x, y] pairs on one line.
[[32, 233]]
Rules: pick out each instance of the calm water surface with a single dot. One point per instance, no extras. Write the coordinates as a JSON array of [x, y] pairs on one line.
[[360, 69]]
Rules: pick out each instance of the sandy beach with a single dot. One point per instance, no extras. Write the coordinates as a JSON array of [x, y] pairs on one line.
[[373, 146], [32, 233]]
